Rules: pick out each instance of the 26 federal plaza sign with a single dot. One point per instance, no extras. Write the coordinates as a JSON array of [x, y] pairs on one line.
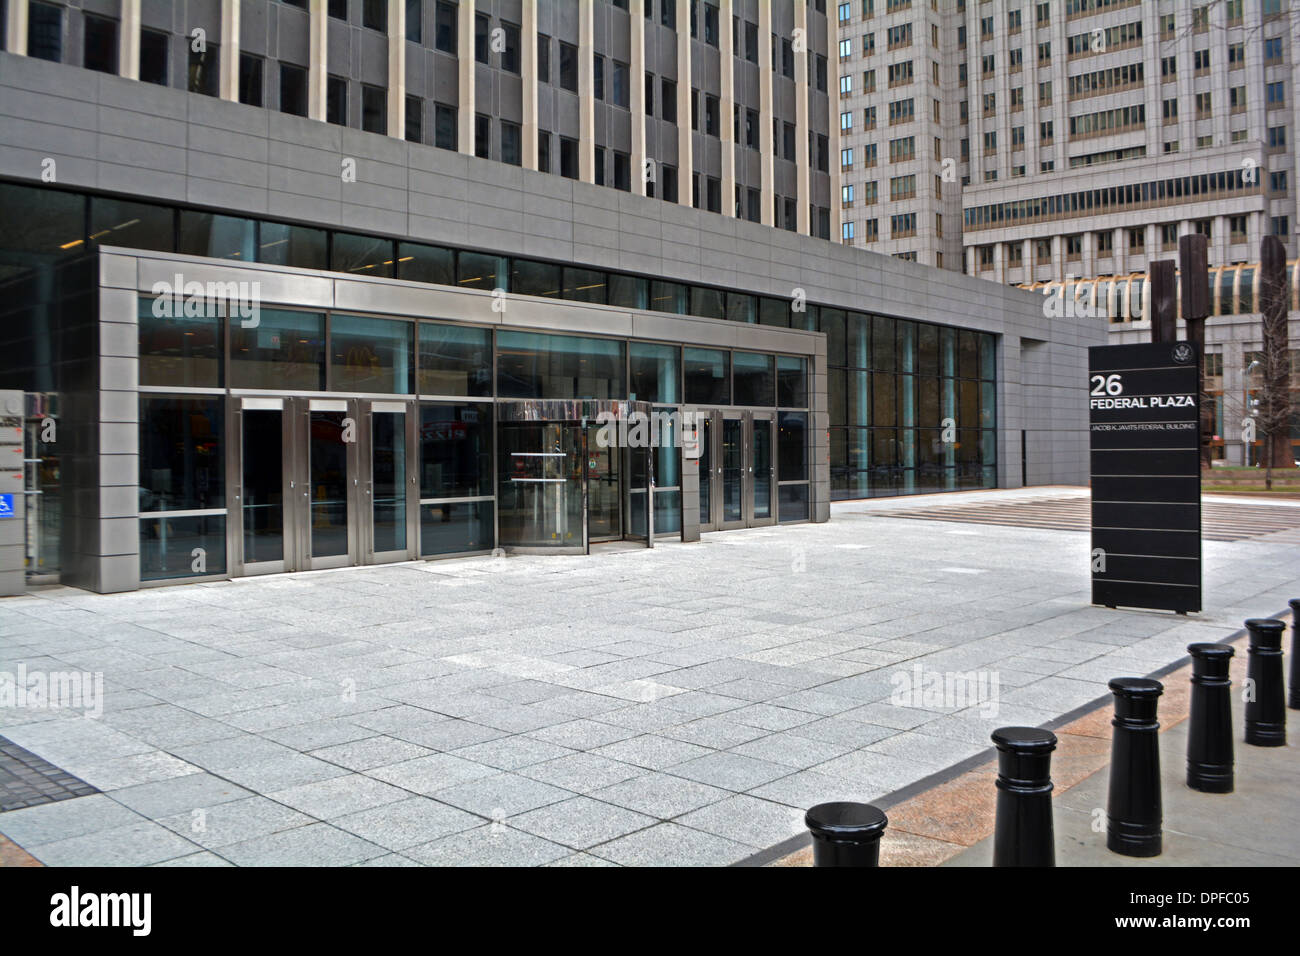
[[1143, 415]]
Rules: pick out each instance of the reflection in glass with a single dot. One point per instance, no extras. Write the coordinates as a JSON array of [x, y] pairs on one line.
[[539, 486], [300, 246], [762, 463], [455, 450], [792, 446], [706, 470], [534, 365], [370, 355], [418, 262], [388, 471], [178, 351], [328, 457], [364, 255], [732, 469], [455, 360], [476, 270], [754, 379], [668, 512], [135, 225], [263, 485], [668, 297], [655, 372], [705, 302], [707, 376], [884, 358], [791, 381], [217, 237], [629, 292], [286, 350], [584, 285], [859, 340], [458, 526], [182, 463], [168, 546], [774, 312], [832, 323], [793, 503], [603, 505], [534, 278], [741, 307]]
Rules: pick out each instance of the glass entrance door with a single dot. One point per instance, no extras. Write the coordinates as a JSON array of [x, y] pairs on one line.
[[707, 483], [761, 470], [604, 503], [732, 471], [542, 487], [322, 483]]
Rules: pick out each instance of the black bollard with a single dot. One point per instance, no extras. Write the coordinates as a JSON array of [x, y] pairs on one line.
[[1266, 706], [1133, 809], [1022, 835], [1209, 734], [846, 834], [1294, 700]]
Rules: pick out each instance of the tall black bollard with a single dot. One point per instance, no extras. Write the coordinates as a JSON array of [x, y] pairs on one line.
[[1022, 835], [1133, 808], [1209, 734], [846, 834], [1266, 705], [1294, 700]]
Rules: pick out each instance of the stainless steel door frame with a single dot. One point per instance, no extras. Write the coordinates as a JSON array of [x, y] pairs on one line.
[[741, 420], [354, 438], [366, 412], [753, 422], [710, 466], [239, 564]]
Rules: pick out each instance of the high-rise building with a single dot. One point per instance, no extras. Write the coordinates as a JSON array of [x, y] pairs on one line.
[[318, 282], [1025, 141]]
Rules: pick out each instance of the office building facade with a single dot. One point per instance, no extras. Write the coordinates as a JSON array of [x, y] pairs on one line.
[[399, 349]]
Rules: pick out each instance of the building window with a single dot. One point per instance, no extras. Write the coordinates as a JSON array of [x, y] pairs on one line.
[[444, 27], [444, 126], [45, 31], [510, 52], [293, 89], [510, 148], [414, 119], [622, 171], [99, 44], [153, 57], [620, 91], [568, 158], [374, 109], [568, 67], [482, 136], [203, 71], [482, 38], [336, 101], [250, 79], [374, 15]]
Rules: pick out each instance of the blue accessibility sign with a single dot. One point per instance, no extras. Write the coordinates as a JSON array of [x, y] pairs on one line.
[[6, 506]]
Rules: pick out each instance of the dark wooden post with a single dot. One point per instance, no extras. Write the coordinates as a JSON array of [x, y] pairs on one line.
[[1164, 301], [1194, 268], [1275, 400]]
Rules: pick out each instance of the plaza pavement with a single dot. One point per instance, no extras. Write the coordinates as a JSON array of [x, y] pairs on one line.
[[676, 706]]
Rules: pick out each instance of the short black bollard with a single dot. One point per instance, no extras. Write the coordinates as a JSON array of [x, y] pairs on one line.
[[846, 834], [1266, 705], [1294, 700], [1209, 734], [1133, 808], [1022, 835]]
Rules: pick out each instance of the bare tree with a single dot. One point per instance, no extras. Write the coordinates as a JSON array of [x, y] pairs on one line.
[[1273, 418]]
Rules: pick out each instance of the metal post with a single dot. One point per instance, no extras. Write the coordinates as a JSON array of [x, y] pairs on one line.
[[1133, 808], [1294, 702], [1209, 735], [1266, 705], [1023, 834], [846, 834]]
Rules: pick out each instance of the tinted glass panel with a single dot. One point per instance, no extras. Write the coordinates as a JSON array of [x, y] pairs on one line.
[[534, 278], [792, 446], [460, 526], [182, 547], [629, 292], [531, 365], [370, 355], [584, 285], [455, 360], [366, 255], [741, 307], [298, 246], [135, 225], [177, 349], [858, 340], [832, 323], [655, 372], [755, 382], [791, 381], [478, 271], [668, 297], [455, 450], [706, 303], [217, 237], [285, 351], [182, 463], [421, 263], [882, 344], [708, 376], [774, 312]]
